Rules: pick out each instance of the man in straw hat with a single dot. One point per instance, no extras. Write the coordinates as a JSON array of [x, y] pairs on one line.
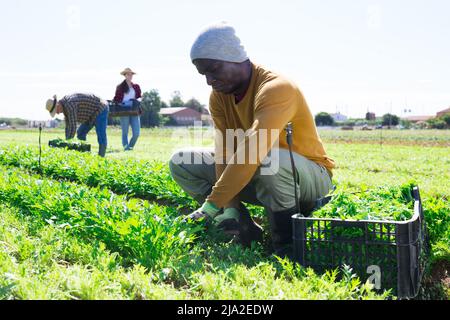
[[87, 109], [251, 98]]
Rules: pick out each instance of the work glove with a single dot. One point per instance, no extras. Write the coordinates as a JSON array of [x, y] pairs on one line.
[[237, 222], [207, 211], [233, 222], [228, 220], [249, 231]]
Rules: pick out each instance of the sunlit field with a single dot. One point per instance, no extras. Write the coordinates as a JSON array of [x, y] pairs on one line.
[[81, 227]]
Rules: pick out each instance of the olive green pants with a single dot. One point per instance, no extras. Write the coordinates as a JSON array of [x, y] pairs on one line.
[[272, 186]]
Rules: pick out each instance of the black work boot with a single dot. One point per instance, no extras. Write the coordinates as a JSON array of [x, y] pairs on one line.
[[281, 231], [102, 150], [249, 230]]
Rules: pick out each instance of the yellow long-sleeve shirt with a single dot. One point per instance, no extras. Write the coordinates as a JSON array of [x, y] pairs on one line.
[[271, 101]]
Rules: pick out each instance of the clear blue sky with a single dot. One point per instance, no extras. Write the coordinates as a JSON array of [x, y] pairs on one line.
[[345, 55]]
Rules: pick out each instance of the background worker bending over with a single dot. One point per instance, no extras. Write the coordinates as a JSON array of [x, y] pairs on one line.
[[87, 109]]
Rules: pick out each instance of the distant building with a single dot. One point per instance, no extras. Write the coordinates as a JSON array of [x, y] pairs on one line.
[[338, 117], [181, 116], [370, 116], [207, 119], [416, 119], [443, 112], [44, 123]]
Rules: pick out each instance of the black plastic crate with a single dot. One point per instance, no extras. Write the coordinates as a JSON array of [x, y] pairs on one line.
[[82, 147], [119, 110], [390, 254]]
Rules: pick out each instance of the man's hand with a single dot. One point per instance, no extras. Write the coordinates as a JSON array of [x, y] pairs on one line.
[[207, 211], [228, 220], [233, 221]]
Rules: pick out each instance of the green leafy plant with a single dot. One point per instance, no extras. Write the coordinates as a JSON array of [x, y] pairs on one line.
[[139, 231], [144, 179], [386, 203], [70, 145]]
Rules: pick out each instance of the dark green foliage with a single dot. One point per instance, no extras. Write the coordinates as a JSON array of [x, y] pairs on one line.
[[384, 203], [390, 120], [195, 105], [324, 119], [70, 145], [140, 232], [176, 101], [437, 215], [446, 119], [143, 179], [439, 123], [151, 104], [14, 121]]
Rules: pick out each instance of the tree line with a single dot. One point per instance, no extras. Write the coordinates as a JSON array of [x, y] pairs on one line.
[[325, 119]]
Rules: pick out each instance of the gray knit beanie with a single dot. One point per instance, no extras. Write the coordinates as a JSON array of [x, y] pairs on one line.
[[218, 42]]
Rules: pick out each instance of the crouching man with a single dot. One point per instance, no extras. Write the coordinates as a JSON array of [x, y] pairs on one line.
[[251, 98], [87, 109]]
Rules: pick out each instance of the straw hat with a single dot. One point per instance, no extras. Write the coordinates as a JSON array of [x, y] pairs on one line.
[[51, 106], [127, 70]]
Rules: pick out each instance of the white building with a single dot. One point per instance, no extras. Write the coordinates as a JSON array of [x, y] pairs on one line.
[[338, 117], [44, 123]]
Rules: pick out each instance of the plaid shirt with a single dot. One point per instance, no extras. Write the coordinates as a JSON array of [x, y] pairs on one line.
[[118, 97], [83, 108]]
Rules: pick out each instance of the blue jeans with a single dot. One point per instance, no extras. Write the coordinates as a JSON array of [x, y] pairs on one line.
[[125, 123], [101, 122]]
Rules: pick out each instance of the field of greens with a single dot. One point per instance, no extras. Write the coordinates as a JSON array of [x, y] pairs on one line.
[[76, 226]]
